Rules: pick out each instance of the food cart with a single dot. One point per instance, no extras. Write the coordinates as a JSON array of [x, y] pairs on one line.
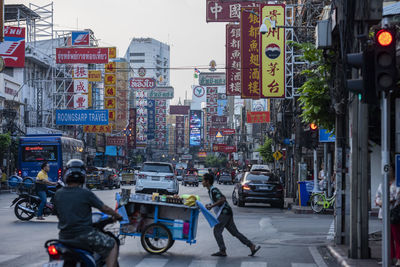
[[157, 223]]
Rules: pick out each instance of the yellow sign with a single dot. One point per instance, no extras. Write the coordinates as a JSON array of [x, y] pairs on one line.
[[110, 91], [277, 155], [219, 135], [94, 75], [90, 95], [273, 52], [112, 52], [111, 114], [109, 103], [97, 128], [109, 79], [110, 67]]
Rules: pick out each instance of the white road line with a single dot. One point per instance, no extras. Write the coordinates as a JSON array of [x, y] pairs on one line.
[[203, 263], [149, 262], [317, 257], [331, 232], [304, 265], [253, 264], [4, 258]]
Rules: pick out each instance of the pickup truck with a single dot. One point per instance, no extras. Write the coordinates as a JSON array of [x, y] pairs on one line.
[[190, 177]]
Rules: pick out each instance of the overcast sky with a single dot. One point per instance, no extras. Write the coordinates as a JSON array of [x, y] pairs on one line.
[[179, 23]]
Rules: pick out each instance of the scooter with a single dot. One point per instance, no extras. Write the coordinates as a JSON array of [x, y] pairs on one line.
[[27, 204], [67, 253]]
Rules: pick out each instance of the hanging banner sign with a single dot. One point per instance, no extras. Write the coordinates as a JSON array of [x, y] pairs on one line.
[[250, 62], [81, 117], [131, 129], [219, 11], [233, 59], [142, 83], [89, 55], [272, 52], [12, 50], [116, 140], [258, 117]]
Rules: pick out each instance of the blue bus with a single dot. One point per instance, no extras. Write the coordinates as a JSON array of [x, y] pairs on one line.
[[56, 149]]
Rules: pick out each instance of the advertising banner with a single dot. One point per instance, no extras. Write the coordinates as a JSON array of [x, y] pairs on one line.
[[131, 129], [80, 38], [142, 83], [249, 45], [121, 95], [212, 78], [195, 128], [232, 61], [179, 110], [219, 121], [89, 55], [81, 117], [222, 107], [97, 128], [151, 119], [12, 50], [179, 133], [116, 140], [224, 148], [219, 11], [80, 71], [258, 117], [223, 131], [272, 52], [81, 86], [94, 75], [81, 101], [161, 93]]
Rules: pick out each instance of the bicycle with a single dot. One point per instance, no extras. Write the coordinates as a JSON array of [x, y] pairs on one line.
[[320, 202]]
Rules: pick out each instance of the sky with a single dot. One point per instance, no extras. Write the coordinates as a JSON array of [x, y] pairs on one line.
[[179, 23]]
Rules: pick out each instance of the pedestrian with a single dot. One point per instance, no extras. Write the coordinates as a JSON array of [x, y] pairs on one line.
[[322, 178], [42, 181], [225, 217]]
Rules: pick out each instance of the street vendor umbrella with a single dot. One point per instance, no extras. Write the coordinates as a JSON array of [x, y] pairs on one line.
[[211, 219]]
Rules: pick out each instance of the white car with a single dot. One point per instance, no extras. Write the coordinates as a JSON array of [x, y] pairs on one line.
[[260, 168], [157, 177]]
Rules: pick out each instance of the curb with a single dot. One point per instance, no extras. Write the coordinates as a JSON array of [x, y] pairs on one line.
[[344, 261]]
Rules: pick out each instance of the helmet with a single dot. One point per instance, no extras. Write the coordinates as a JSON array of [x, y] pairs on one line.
[[75, 172]]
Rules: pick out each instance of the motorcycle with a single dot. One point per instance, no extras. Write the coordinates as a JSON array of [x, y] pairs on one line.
[[27, 203], [67, 253]]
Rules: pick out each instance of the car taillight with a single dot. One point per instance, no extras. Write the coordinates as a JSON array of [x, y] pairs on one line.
[[142, 176], [246, 187], [52, 250], [59, 174], [170, 177], [19, 173]]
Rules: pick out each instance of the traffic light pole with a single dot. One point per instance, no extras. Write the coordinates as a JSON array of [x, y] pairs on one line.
[[316, 188], [385, 115]]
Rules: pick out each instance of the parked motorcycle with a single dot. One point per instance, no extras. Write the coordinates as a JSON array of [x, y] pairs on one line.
[[27, 203], [67, 253]]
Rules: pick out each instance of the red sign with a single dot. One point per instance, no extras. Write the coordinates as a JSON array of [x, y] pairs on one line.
[[218, 11], [131, 130], [233, 59], [224, 148], [89, 55], [219, 121], [115, 140], [13, 48], [250, 58], [179, 110], [142, 83], [223, 131], [258, 117]]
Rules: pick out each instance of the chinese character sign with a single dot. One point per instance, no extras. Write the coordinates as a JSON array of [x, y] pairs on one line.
[[258, 117], [219, 11], [81, 86], [233, 59], [151, 118], [80, 101], [250, 59], [161, 122], [80, 71], [272, 52], [141, 118], [212, 106]]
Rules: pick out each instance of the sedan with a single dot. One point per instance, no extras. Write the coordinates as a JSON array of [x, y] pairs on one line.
[[225, 179], [258, 187]]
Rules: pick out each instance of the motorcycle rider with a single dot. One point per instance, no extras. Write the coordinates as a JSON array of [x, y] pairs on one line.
[[42, 181], [73, 206]]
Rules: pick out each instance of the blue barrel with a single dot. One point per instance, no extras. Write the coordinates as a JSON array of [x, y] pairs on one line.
[[304, 194], [28, 183], [14, 181]]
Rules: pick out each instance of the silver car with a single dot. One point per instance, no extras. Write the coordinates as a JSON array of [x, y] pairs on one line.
[[157, 177]]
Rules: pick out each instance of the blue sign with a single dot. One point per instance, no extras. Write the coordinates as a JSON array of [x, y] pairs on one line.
[[82, 116], [195, 128], [326, 137], [80, 38], [397, 169], [151, 119], [222, 107]]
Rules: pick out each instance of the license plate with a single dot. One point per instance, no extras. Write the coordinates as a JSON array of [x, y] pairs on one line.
[[264, 188], [155, 178], [54, 264]]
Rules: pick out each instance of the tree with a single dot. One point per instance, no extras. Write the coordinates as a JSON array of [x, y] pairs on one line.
[[5, 142], [266, 150], [216, 162]]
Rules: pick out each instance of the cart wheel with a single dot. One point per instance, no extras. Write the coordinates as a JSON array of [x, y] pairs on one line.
[[156, 238]]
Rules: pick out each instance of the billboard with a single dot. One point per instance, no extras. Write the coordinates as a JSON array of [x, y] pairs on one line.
[[219, 121], [195, 128], [97, 128], [80, 38], [222, 107], [272, 52], [81, 101], [232, 59], [89, 55], [179, 110], [12, 50], [81, 117], [258, 117], [180, 134], [94, 76], [116, 140], [142, 83], [141, 118], [212, 78], [219, 11], [131, 129], [250, 62], [161, 122], [151, 119], [161, 92]]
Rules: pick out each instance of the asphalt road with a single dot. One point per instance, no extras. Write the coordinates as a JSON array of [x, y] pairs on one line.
[[286, 239]]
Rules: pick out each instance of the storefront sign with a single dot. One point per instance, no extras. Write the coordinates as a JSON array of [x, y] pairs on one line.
[[161, 92], [233, 59], [94, 75], [97, 128], [142, 83], [116, 140], [151, 119], [179, 110], [258, 117], [89, 55], [219, 11], [12, 50], [195, 128], [212, 78], [81, 117]]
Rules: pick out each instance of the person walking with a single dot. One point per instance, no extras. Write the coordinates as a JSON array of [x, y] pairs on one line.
[[42, 181], [225, 217]]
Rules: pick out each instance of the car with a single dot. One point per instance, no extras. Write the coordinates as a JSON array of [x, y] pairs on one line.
[[225, 178], [258, 187], [157, 177], [200, 173], [238, 177], [190, 177], [260, 167], [179, 174]]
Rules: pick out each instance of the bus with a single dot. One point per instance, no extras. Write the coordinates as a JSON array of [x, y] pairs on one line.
[[56, 149]]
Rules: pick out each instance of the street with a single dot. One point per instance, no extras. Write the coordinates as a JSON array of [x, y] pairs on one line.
[[286, 239]]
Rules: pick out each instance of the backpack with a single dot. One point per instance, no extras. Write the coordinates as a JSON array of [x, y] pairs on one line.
[[395, 215]]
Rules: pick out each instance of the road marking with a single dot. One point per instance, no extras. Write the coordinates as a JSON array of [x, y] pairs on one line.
[[304, 265], [150, 262], [253, 264], [331, 232], [203, 263], [317, 257], [4, 258]]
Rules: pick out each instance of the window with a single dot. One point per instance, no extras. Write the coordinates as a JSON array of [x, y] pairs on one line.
[[136, 54], [136, 61], [157, 168], [262, 177], [39, 153], [9, 71]]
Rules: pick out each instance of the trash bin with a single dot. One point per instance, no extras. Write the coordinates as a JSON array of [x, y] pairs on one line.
[[304, 188]]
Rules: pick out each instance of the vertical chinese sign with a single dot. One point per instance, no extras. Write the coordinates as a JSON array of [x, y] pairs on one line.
[[272, 52], [141, 118], [250, 58], [212, 108], [161, 123], [110, 91], [121, 95], [233, 59], [81, 86], [151, 119], [131, 136], [180, 134]]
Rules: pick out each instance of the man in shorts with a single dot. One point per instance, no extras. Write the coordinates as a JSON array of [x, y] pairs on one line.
[[74, 211]]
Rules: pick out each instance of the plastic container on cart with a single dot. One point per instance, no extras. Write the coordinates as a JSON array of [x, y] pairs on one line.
[[177, 230], [186, 227], [14, 181], [304, 195], [28, 183]]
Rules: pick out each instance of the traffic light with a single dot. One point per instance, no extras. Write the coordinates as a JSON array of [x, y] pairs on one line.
[[310, 136], [365, 85], [385, 59]]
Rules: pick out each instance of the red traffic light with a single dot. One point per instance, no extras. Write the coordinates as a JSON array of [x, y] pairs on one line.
[[384, 37], [313, 126]]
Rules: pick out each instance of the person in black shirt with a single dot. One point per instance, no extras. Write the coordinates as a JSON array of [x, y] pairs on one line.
[[225, 217]]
